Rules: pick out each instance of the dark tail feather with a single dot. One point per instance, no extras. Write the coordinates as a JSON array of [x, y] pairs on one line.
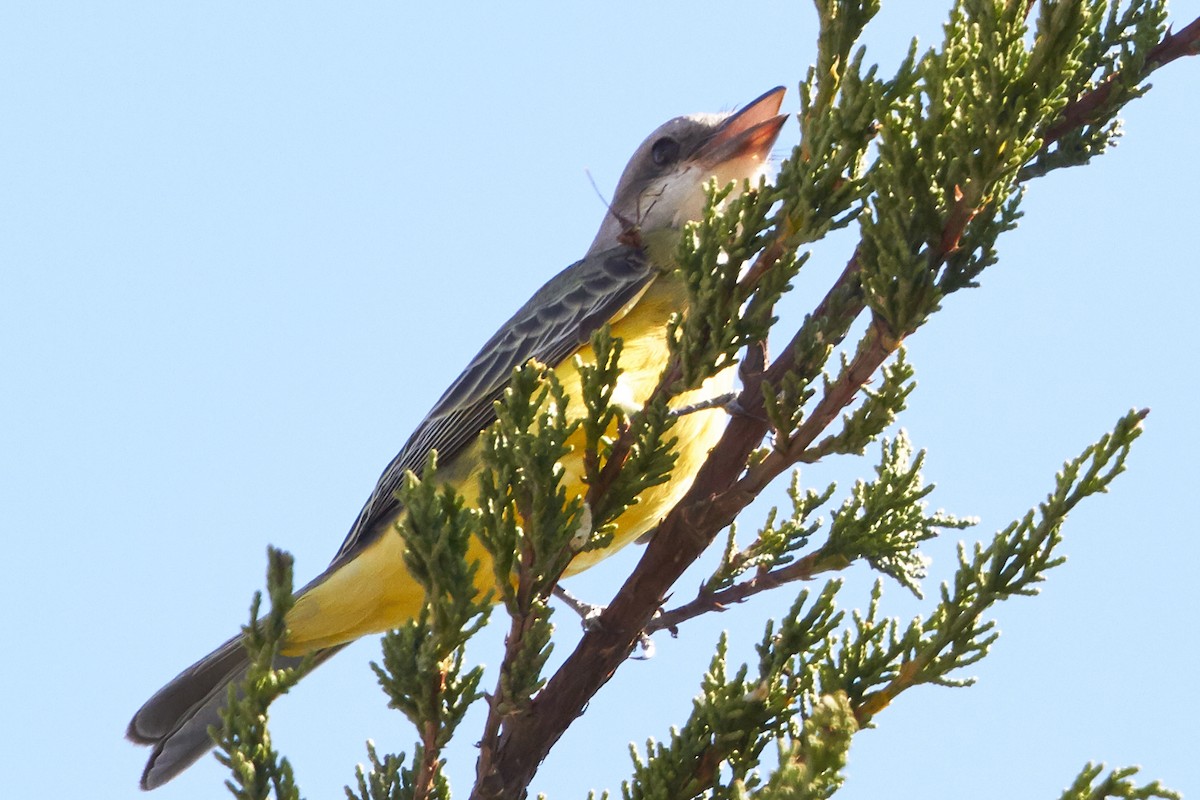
[[175, 720]]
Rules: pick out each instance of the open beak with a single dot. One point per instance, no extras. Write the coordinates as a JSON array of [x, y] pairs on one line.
[[750, 132]]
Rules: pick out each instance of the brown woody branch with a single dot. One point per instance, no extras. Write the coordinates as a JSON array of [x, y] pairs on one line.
[[717, 495], [875, 350], [803, 569], [500, 703], [430, 753], [714, 500], [1084, 109], [709, 506]]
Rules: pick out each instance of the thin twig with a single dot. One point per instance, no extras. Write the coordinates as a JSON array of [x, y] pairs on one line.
[[803, 569]]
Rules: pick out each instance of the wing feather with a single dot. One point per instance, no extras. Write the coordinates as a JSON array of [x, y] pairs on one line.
[[554, 323]]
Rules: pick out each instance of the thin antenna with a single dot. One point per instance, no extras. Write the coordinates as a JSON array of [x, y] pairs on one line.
[[626, 225], [643, 214]]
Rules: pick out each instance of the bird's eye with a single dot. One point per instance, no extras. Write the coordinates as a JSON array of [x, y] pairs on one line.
[[665, 151]]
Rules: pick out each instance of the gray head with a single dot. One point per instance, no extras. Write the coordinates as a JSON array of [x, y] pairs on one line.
[[663, 183]]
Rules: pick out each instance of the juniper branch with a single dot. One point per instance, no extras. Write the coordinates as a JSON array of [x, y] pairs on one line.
[[243, 739], [1115, 784], [910, 265]]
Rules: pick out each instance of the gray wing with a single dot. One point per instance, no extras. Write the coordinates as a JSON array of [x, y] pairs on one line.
[[556, 321]]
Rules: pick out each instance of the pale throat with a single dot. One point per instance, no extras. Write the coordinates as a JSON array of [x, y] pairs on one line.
[[679, 198], [672, 201]]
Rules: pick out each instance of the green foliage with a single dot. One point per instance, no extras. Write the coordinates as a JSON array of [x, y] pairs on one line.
[[710, 258], [437, 531], [423, 662], [801, 639], [389, 779], [835, 677], [811, 763], [777, 540], [955, 635], [1114, 55], [530, 527], [951, 148], [717, 751], [624, 454], [243, 740], [932, 164], [1115, 784], [884, 520], [873, 416], [784, 404], [598, 381], [822, 185], [970, 122], [528, 520]]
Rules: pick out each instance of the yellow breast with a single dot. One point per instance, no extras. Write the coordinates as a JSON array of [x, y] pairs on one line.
[[374, 592]]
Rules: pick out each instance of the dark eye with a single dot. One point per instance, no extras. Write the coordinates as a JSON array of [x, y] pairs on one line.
[[665, 151]]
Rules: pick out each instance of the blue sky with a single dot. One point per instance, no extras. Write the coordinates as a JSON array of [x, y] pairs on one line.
[[243, 247]]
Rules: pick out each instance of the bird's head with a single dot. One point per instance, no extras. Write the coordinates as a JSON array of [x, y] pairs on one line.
[[662, 186]]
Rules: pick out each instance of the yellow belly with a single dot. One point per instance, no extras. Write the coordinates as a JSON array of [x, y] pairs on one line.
[[374, 592]]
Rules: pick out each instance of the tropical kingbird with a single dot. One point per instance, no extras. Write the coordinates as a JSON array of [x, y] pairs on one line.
[[366, 588]]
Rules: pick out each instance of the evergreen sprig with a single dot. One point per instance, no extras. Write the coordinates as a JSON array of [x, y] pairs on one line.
[[1115, 784], [243, 738], [530, 527], [625, 450], [389, 779], [528, 521], [932, 164], [822, 183], [423, 671], [777, 541], [805, 662], [710, 257], [1114, 57], [602, 423], [784, 404], [955, 634], [884, 520], [717, 752], [874, 414], [811, 763]]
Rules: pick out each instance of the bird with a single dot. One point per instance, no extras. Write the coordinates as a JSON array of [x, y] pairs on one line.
[[366, 588]]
